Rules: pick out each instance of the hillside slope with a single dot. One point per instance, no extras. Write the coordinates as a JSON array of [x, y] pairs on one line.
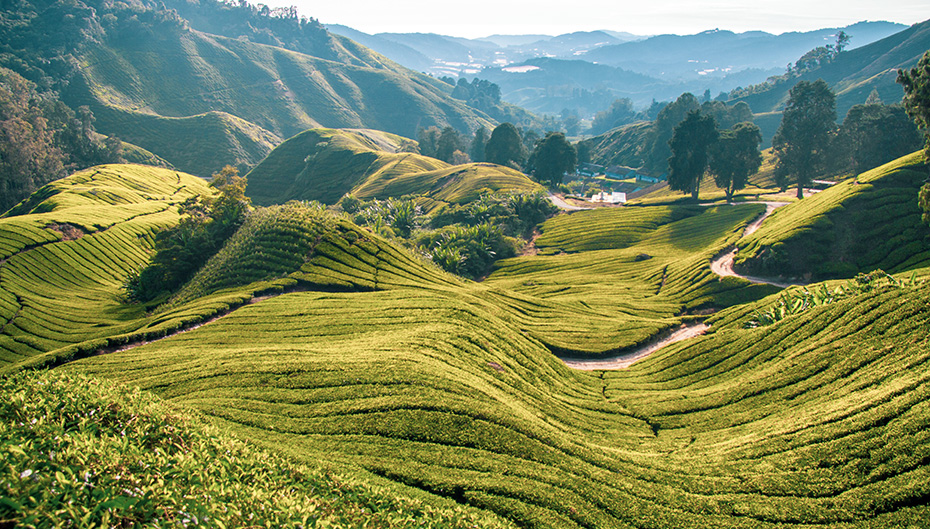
[[857, 225], [325, 164], [855, 73], [142, 68]]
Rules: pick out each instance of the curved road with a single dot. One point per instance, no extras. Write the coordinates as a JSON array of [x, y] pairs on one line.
[[721, 265]]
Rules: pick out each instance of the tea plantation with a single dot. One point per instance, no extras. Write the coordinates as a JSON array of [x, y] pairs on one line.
[[383, 391]]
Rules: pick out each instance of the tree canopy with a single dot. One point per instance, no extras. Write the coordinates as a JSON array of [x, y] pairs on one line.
[[803, 138], [691, 140], [735, 157], [505, 147], [916, 83], [552, 157]]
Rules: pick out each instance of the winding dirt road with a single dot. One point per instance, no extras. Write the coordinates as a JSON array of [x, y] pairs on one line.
[[722, 266], [626, 360]]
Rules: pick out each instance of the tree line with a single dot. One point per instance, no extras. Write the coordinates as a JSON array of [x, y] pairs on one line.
[[42, 139], [547, 158]]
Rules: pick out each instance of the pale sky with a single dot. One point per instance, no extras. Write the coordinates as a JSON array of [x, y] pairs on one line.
[[481, 18]]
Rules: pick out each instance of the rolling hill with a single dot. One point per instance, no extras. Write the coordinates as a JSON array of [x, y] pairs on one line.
[[201, 100], [343, 351], [325, 164], [835, 234]]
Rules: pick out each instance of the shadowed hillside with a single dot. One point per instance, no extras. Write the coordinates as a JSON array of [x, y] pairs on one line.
[[837, 232]]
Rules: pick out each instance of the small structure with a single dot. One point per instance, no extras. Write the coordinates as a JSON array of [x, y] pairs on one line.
[[590, 169], [610, 198]]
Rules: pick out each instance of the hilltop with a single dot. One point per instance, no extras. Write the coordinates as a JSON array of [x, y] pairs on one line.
[[325, 164], [854, 73]]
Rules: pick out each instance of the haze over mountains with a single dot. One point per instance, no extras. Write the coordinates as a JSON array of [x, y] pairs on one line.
[[587, 70]]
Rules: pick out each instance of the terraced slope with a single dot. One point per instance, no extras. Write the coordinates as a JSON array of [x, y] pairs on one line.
[[855, 226], [819, 419], [65, 252], [325, 164], [384, 366]]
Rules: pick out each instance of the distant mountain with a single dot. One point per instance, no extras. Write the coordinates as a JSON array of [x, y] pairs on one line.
[[716, 53], [454, 56], [401, 53], [854, 73]]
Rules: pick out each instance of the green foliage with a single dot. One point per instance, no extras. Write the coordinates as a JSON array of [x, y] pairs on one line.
[[735, 157], [206, 223], [916, 83], [620, 113], [803, 138], [690, 145], [469, 251], [873, 135], [552, 158], [656, 147], [799, 300], [41, 139], [83, 451], [505, 147]]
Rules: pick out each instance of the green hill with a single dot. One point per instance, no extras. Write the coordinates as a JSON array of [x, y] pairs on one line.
[[855, 226], [339, 348], [325, 164], [201, 100], [855, 73]]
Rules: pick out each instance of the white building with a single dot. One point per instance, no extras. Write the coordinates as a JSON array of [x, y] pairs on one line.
[[610, 198]]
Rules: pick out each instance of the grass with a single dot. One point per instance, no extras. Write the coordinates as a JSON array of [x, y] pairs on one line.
[[443, 390], [325, 164], [115, 456], [835, 234]]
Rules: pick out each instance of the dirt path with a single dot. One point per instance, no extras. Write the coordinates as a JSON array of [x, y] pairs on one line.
[[627, 359], [722, 265], [562, 204]]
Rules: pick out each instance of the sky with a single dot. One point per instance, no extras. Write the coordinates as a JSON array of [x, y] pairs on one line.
[[481, 18]]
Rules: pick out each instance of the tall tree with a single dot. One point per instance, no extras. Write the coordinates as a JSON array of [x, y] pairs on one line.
[[690, 143], [505, 146], [656, 147], [803, 138], [447, 144], [428, 140], [552, 157], [735, 157], [874, 134], [916, 82], [478, 143]]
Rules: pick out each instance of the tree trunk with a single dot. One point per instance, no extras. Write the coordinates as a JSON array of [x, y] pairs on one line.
[[800, 190]]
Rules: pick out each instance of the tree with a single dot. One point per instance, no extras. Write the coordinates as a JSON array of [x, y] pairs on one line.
[[447, 144], [620, 113], [916, 83], [429, 141], [735, 157], [505, 146], [690, 143], [656, 147], [206, 223], [803, 138], [552, 157], [478, 144], [874, 134]]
